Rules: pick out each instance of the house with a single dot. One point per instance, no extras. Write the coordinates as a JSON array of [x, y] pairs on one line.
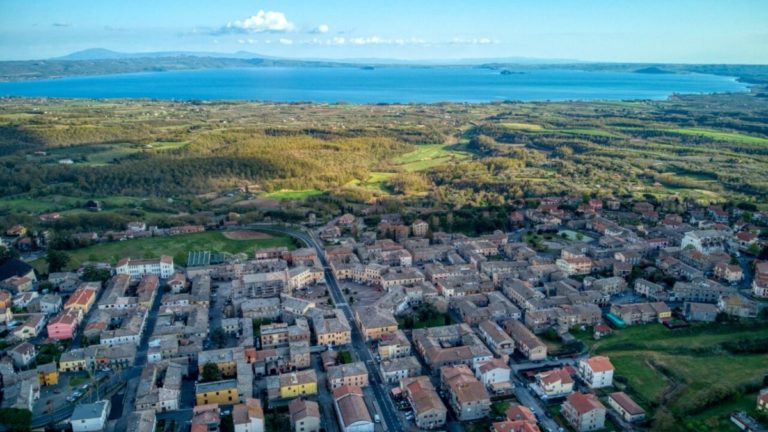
[[305, 415], [584, 412], [450, 345], [495, 337], [90, 417], [762, 400], [50, 304], [83, 299], [519, 416], [17, 268], [64, 325], [731, 273], [217, 392], [375, 322], [397, 368], [760, 282], [299, 383], [429, 410], [737, 305], [72, 361], [467, 395], [575, 266], [628, 409], [206, 418], [705, 241], [31, 327], [392, 345], [142, 421], [419, 228], [351, 410], [596, 372], [495, 374], [350, 374], [706, 312], [527, 343], [554, 383], [161, 267], [248, 416], [47, 374], [23, 354]]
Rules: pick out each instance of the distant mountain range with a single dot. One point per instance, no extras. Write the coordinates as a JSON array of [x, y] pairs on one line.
[[106, 54]]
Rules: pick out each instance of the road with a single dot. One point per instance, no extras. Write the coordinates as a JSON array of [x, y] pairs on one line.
[[133, 375], [359, 345]]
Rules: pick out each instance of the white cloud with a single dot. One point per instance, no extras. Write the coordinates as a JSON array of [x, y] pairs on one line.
[[322, 28], [286, 41], [62, 24], [473, 41], [263, 21]]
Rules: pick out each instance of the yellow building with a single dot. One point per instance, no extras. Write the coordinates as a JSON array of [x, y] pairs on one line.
[[217, 392], [223, 358], [375, 323], [298, 384], [47, 374], [72, 361]]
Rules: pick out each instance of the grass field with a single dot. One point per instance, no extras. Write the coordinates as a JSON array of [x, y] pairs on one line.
[[103, 154], [177, 246], [654, 359], [61, 203], [430, 155], [287, 194], [721, 136]]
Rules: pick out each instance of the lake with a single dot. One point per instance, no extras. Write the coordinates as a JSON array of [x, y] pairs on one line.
[[380, 85]]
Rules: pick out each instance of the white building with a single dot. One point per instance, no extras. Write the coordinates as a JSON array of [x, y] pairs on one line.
[[705, 241], [597, 372], [162, 267], [90, 417], [248, 416]]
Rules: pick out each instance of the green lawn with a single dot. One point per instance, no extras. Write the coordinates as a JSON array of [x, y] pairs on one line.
[[721, 136], [177, 246], [287, 194], [430, 155], [652, 359]]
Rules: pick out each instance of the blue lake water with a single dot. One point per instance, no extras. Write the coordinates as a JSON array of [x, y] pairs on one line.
[[381, 85]]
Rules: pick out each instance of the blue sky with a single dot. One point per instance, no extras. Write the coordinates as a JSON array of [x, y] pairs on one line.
[[686, 31]]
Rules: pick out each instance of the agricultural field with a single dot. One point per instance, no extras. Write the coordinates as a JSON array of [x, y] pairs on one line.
[[176, 246], [669, 372], [429, 156]]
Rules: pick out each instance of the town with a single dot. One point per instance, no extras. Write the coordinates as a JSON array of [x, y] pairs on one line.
[[387, 326]]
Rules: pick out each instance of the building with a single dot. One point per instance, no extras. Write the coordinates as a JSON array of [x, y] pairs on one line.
[[706, 312], [397, 368], [350, 409], [350, 374], [23, 354], [596, 372], [47, 374], [495, 375], [161, 267], [450, 345], [429, 410], [575, 266], [705, 241], [554, 383], [642, 313], [222, 392], [419, 228], [82, 299], [527, 343], [737, 305], [64, 325], [374, 322], [90, 417], [496, 338], [142, 421], [762, 400], [31, 327], [584, 412], [305, 415], [628, 409], [248, 416], [760, 282], [394, 345], [467, 395], [206, 418], [300, 383]]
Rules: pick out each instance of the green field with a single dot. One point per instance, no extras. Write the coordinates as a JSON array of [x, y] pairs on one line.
[[177, 246], [287, 194], [721, 136], [430, 155], [675, 368], [103, 154]]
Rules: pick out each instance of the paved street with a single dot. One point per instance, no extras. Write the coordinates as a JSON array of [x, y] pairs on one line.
[[389, 413]]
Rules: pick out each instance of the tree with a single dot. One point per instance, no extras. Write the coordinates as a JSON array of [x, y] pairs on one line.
[[219, 337], [211, 372], [92, 274], [57, 260], [16, 419]]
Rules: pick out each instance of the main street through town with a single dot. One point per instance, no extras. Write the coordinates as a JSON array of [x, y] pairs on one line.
[[359, 346]]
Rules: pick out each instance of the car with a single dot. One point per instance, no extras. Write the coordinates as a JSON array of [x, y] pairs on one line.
[[376, 418], [84, 387]]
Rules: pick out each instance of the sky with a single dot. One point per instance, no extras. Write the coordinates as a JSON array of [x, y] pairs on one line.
[[669, 31]]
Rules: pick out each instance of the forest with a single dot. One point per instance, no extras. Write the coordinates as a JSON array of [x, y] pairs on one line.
[[160, 158]]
